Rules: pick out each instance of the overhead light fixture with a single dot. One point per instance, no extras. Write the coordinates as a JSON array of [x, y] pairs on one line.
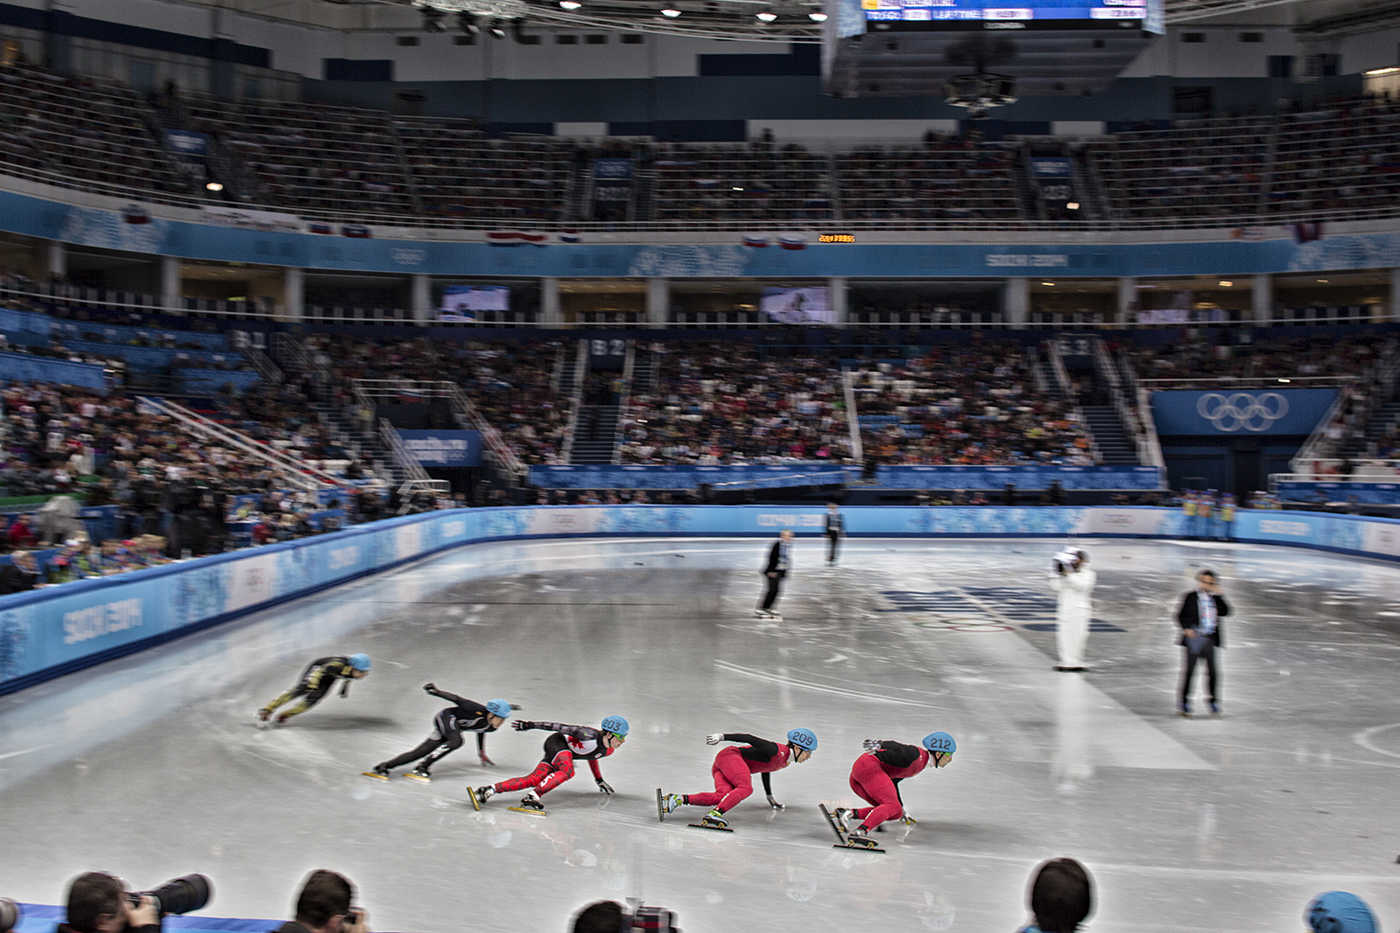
[[497, 29], [1225, 283], [1323, 281], [1382, 72], [1047, 283], [213, 186], [817, 16], [466, 22], [432, 20], [670, 12], [569, 5], [766, 16], [1072, 205]]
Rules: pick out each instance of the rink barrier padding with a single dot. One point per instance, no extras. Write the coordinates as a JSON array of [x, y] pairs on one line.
[[42, 918], [53, 631]]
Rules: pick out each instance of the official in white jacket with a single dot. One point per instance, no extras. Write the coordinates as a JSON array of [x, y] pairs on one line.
[[1073, 582]]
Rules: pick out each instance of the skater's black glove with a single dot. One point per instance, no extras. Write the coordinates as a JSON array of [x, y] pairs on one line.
[[520, 725], [430, 688], [605, 787], [773, 803]]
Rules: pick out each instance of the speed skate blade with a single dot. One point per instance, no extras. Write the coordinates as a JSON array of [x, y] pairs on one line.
[[420, 778], [471, 795], [530, 810], [851, 845], [718, 829], [660, 809], [835, 826], [376, 775]]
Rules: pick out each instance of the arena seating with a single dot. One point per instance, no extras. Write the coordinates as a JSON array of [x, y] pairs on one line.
[[761, 181], [946, 178], [458, 172], [1336, 159], [724, 403], [94, 132], [316, 159], [964, 405], [1195, 169]]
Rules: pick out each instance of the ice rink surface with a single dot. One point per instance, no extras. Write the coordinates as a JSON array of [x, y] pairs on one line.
[[151, 766]]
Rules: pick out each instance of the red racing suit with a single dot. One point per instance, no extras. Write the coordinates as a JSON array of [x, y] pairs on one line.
[[875, 778], [734, 767], [561, 749]]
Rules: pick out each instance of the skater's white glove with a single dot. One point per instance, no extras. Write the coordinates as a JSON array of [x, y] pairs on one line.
[[714, 738], [605, 787], [773, 803], [871, 745]]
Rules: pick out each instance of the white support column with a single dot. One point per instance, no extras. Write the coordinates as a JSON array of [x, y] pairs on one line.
[[658, 302], [840, 300], [1394, 305], [1127, 300], [422, 299], [293, 294], [1016, 301], [551, 314], [1262, 296], [170, 296], [56, 259]]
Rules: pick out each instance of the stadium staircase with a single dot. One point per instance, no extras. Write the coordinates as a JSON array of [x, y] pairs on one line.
[[599, 422], [356, 435], [1110, 424], [1058, 386]]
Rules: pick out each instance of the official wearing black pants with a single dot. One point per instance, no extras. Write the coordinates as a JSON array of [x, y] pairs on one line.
[[779, 560], [835, 529], [1200, 617]]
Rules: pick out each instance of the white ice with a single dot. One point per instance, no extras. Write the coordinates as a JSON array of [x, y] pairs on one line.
[[151, 766]]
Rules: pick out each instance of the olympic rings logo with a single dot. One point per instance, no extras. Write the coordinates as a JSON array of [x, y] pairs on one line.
[[1241, 411]]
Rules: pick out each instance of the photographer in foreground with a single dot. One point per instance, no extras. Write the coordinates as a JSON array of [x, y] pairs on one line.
[[98, 903], [323, 906]]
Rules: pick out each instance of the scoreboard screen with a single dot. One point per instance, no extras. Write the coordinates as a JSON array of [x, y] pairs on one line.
[[1010, 14]]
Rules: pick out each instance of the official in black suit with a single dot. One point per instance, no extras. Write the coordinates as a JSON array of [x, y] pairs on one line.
[[779, 560], [1200, 617], [835, 530]]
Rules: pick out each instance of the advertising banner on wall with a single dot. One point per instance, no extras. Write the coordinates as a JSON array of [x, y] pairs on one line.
[[1241, 412], [433, 448]]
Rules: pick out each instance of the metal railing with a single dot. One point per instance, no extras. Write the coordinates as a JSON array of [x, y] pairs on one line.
[[625, 398], [299, 473], [1128, 417], [852, 415], [416, 477], [461, 406], [1362, 471], [1057, 363]]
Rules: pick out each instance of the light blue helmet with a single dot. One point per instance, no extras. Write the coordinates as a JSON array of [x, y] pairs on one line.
[[1339, 912], [499, 708], [359, 662], [940, 742], [804, 739], [616, 725]]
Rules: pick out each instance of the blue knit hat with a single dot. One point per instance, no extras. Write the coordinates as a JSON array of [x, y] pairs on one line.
[[1339, 912]]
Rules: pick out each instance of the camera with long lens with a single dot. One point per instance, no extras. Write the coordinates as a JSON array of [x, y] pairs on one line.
[[177, 896], [649, 919], [9, 915]]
